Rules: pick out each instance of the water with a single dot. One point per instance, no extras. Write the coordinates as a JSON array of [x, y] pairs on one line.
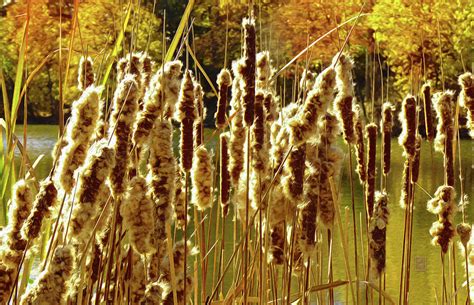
[[425, 279]]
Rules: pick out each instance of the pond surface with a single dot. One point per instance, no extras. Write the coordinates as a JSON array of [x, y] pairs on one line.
[[426, 266]]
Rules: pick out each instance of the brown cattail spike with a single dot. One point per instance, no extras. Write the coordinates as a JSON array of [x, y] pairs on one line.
[[224, 173], [201, 113], [464, 232], [249, 69], [408, 120], [186, 115], [378, 233], [466, 81], [224, 80], [387, 123], [360, 145], [444, 206], [428, 111], [86, 76], [371, 133]]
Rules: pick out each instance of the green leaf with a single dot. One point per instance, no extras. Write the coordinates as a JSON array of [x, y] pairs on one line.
[[179, 31]]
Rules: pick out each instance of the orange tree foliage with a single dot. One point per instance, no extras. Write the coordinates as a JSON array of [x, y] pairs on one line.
[[99, 23]]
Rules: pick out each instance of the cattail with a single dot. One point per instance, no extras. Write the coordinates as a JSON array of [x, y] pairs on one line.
[[131, 64], [153, 294], [304, 125], [147, 67], [238, 134], [276, 221], [186, 116], [415, 166], [201, 113], [224, 173], [270, 103], [406, 185], [86, 76], [344, 97], [308, 213], [258, 145], [427, 108], [361, 168], [224, 80], [22, 201], [90, 188], [162, 92], [378, 233], [464, 232], [51, 285], [408, 120], [386, 126], [180, 214], [466, 81], [182, 297], [444, 206], [101, 126], [137, 212], [248, 70], [78, 135], [137, 280], [44, 201], [264, 70], [294, 174], [125, 105], [444, 141], [201, 178], [371, 133], [7, 279]]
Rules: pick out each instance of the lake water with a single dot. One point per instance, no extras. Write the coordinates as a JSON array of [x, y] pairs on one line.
[[426, 270]]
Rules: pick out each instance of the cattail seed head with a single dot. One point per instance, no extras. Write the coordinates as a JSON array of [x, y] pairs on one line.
[[307, 81], [86, 76], [186, 115], [408, 119], [224, 173], [264, 70], [78, 135], [201, 178], [371, 133], [404, 197], [428, 111], [180, 214], [444, 206], [294, 173], [304, 125], [51, 285], [444, 141], [201, 113], [360, 146], [308, 213], [464, 232], [386, 126], [137, 212], [248, 70], [44, 201], [415, 166], [466, 81], [224, 80], [378, 233]]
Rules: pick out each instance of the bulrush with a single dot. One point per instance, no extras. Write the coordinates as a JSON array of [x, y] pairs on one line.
[[153, 294], [20, 207], [307, 81], [466, 81], [248, 70], [386, 126], [224, 80], [91, 190], [444, 206], [308, 213], [344, 97], [264, 70], [186, 115], [378, 233], [270, 102], [137, 212], [85, 77], [138, 279], [359, 126], [201, 178], [162, 92], [371, 133], [415, 166], [180, 214], [444, 141], [237, 129], [44, 201], [428, 111], [276, 222], [182, 296], [131, 64], [408, 120], [147, 67], [224, 173], [161, 178], [125, 106], [201, 113], [294, 174], [78, 135], [51, 285], [406, 185], [464, 232], [305, 124]]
